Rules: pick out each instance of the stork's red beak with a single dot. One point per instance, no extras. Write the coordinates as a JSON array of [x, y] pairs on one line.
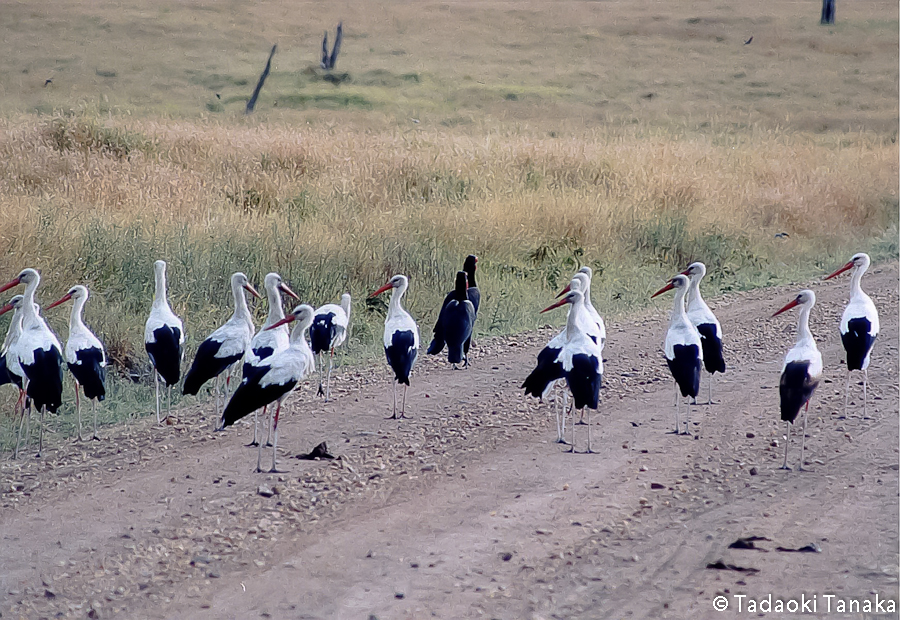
[[686, 272], [287, 291], [10, 284], [381, 290], [564, 291], [561, 302], [6, 309], [836, 273], [790, 305], [667, 287], [63, 299], [283, 321], [250, 290]]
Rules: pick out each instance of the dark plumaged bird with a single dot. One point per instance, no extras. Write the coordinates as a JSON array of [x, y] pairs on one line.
[[401, 338], [274, 378], [801, 372], [707, 325], [749, 41], [683, 349], [455, 323], [328, 331], [163, 339], [268, 341], [38, 352], [85, 355], [226, 346], [578, 360], [472, 294], [859, 325]]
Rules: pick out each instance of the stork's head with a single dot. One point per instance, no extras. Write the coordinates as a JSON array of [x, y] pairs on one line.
[[572, 297], [14, 304], [26, 277], [76, 292], [398, 281], [469, 264], [274, 282], [580, 282], [678, 282], [859, 261], [239, 279], [805, 297], [302, 313], [695, 270]]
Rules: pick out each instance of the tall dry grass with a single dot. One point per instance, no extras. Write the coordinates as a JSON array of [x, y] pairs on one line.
[[342, 209]]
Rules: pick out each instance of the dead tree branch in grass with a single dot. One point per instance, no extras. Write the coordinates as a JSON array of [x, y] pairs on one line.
[[262, 78]]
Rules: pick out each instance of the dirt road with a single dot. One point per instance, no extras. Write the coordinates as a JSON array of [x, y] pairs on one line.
[[470, 509]]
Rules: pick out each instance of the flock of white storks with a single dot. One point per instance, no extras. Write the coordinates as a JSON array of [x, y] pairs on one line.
[[273, 361]]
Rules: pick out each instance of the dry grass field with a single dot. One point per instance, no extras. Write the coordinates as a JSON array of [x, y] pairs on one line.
[[540, 135]]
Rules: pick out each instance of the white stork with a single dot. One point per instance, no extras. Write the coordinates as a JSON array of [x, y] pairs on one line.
[[579, 360], [274, 378], [859, 325], [10, 369], [85, 355], [472, 294], [455, 323], [683, 349], [163, 339], [707, 325], [596, 328], [226, 345], [328, 331], [401, 338], [801, 372], [267, 341], [38, 352]]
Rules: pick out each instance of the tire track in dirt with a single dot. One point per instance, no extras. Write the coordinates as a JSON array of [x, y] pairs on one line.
[[470, 508]]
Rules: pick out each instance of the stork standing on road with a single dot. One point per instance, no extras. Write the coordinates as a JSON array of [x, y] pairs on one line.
[[472, 294], [267, 341], [274, 378], [401, 338], [328, 331], [801, 372], [859, 325], [596, 328], [225, 346], [38, 352], [579, 361], [683, 349], [707, 325], [11, 369], [85, 355], [163, 339]]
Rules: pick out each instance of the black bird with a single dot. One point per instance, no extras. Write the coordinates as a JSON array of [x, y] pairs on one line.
[[473, 295], [456, 321], [749, 41]]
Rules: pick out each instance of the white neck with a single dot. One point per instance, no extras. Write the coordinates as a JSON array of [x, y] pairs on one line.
[[298, 334], [159, 297], [678, 313], [803, 333], [575, 311], [29, 314], [345, 304], [855, 278], [394, 307], [276, 311], [75, 318], [241, 311], [693, 293]]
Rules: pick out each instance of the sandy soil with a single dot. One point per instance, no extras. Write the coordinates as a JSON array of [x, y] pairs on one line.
[[470, 509]]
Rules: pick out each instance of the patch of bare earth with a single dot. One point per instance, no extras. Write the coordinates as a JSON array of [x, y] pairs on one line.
[[470, 508]]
